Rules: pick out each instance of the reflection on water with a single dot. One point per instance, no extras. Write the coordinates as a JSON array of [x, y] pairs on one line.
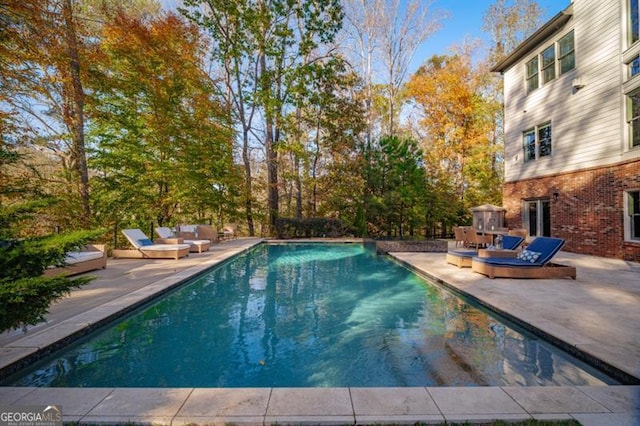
[[309, 315]]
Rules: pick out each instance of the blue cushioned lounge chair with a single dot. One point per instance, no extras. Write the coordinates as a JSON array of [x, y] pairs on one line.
[[534, 262], [462, 258]]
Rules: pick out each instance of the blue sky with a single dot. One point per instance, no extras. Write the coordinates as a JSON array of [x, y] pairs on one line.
[[465, 21]]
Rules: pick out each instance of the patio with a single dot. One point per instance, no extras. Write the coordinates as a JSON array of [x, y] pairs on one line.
[[597, 314]]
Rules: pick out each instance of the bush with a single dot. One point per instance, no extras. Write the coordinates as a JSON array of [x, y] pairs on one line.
[[314, 227], [25, 294]]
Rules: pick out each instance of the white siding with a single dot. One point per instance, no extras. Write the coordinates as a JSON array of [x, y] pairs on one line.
[[588, 124]]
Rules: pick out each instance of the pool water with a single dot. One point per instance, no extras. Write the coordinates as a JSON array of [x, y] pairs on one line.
[[319, 315]]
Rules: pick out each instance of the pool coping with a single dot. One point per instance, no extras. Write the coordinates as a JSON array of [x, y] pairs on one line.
[[586, 356], [611, 404]]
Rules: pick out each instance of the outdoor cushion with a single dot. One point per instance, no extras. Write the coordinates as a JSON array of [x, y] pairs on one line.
[[165, 247], [145, 242], [464, 253], [74, 257], [529, 256], [547, 246], [506, 261]]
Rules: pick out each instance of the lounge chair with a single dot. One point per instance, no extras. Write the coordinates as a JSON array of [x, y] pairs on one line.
[[534, 262], [89, 258], [146, 249], [462, 258], [166, 237]]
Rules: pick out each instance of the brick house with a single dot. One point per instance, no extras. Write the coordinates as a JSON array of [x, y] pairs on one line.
[[572, 129]]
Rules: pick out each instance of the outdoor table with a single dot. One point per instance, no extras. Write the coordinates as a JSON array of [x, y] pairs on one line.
[[494, 252]]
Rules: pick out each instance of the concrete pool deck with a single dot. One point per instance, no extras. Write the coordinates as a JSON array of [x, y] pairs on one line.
[[599, 314]]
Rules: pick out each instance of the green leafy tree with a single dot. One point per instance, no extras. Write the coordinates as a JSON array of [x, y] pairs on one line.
[[398, 188], [323, 144], [163, 144], [267, 49]]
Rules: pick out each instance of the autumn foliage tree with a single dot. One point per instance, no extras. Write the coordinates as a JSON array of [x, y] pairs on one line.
[[163, 143], [458, 123], [43, 90]]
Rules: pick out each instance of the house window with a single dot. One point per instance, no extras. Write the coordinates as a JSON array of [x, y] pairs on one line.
[[634, 21], [548, 65], [548, 57], [532, 74], [544, 139], [632, 218], [634, 66], [536, 142], [633, 117], [566, 53], [529, 145]]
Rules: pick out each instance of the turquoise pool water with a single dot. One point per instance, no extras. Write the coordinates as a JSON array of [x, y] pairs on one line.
[[295, 315]]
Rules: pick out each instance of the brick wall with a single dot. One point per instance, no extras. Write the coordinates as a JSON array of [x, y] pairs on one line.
[[589, 212]]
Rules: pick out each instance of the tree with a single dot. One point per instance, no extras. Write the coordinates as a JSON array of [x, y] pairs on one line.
[[25, 294], [398, 188], [509, 24], [232, 27], [389, 31], [325, 131], [457, 118], [267, 45], [43, 84], [163, 139]]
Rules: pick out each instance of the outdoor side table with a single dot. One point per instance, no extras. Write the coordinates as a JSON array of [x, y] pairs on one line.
[[497, 253]]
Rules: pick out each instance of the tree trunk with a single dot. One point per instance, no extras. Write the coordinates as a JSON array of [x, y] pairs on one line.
[[75, 111], [272, 160], [247, 183]]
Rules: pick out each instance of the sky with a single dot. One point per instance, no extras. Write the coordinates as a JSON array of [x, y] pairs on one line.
[[464, 22]]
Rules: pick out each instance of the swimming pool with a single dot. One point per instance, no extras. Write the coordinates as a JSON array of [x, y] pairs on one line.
[[316, 315]]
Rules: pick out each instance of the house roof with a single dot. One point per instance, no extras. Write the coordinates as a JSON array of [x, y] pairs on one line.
[[523, 49], [487, 208]]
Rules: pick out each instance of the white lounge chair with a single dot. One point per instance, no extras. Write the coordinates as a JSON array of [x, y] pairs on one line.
[[166, 237], [146, 249]]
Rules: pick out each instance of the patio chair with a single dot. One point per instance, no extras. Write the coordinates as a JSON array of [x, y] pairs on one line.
[[230, 231], [208, 232], [478, 240], [146, 249], [462, 258], [197, 245], [460, 233], [534, 262]]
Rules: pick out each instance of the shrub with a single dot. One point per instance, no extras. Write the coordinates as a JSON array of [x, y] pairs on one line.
[[314, 227]]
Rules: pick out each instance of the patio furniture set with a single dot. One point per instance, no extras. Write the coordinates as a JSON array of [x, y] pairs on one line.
[[513, 259], [170, 244]]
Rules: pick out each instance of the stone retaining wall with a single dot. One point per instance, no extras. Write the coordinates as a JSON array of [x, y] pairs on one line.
[[437, 246]]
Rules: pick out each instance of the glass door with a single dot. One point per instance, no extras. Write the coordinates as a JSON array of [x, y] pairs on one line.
[[537, 217]]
